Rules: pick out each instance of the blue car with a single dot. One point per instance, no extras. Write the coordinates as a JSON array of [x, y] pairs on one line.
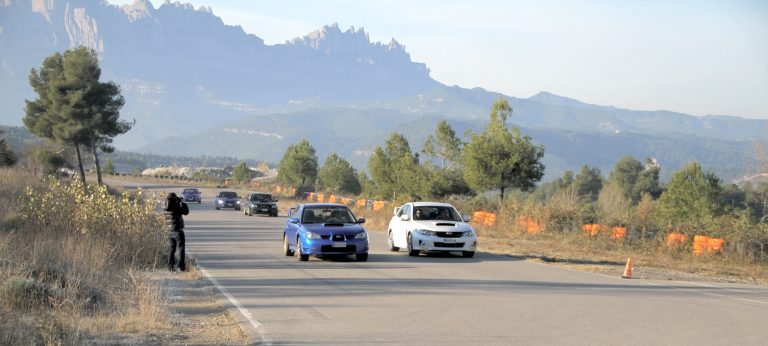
[[321, 229], [226, 199]]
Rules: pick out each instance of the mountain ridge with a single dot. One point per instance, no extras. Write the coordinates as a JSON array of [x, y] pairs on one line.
[[184, 72]]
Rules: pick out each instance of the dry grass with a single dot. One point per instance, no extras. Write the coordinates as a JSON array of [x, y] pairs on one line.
[[570, 246], [69, 272]]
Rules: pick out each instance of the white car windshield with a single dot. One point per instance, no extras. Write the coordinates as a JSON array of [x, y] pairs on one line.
[[436, 213]]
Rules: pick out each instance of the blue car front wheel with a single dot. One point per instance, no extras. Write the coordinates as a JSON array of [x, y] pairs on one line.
[[302, 257]]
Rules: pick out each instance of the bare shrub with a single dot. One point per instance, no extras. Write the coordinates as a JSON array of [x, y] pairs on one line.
[[71, 259]]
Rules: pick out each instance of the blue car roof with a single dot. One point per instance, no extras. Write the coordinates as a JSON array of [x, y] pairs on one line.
[[323, 205]]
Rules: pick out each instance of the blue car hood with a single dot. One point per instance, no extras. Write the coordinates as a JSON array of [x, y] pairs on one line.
[[349, 228]]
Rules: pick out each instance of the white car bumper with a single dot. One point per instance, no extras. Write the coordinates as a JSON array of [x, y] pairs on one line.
[[435, 243]]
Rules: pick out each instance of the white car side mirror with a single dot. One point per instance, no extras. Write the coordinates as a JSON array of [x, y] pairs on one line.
[[397, 210], [404, 218]]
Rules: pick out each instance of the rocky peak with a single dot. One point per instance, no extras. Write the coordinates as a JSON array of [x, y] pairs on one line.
[[139, 9], [44, 8]]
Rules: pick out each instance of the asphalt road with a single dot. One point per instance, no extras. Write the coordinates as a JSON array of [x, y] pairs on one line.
[[488, 299]]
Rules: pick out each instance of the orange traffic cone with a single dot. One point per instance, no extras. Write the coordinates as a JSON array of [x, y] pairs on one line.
[[628, 269]]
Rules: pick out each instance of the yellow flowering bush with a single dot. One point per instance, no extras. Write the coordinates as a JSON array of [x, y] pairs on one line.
[[130, 221]]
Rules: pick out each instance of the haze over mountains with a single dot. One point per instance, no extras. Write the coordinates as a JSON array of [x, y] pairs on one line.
[[199, 87]]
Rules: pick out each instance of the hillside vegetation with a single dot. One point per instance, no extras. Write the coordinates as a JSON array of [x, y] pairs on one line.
[[71, 261]]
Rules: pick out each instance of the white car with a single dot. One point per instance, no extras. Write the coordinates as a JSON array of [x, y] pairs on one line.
[[431, 226]]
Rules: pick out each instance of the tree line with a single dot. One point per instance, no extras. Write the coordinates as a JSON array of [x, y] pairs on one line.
[[500, 162], [499, 158]]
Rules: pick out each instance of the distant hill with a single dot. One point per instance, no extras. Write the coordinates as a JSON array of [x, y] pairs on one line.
[[199, 87]]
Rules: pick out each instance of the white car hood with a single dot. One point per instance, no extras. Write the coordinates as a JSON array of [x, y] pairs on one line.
[[441, 226]]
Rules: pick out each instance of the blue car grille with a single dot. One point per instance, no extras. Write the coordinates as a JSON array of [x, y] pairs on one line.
[[338, 237], [330, 248]]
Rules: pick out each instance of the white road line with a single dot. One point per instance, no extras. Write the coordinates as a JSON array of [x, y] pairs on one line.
[[247, 314]]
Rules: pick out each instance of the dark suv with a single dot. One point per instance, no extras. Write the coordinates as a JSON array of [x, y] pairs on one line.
[[260, 203]]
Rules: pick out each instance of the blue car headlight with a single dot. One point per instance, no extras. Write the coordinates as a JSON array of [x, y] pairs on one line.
[[238, 202], [312, 235], [361, 235], [424, 232]]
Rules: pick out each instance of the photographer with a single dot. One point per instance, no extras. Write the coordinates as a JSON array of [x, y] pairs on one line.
[[174, 209]]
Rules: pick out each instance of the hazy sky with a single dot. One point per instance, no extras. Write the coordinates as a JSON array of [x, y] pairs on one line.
[[697, 57]]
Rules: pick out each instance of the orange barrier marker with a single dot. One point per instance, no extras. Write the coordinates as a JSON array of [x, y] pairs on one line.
[[531, 226], [700, 244], [715, 245], [676, 239], [478, 217], [490, 219], [378, 205], [619, 233], [628, 269]]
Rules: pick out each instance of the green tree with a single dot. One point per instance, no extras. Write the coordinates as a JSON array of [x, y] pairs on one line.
[[7, 157], [395, 169], [499, 158], [550, 190], [73, 107], [588, 183], [299, 165], [613, 205], [109, 167], [366, 185], [241, 173], [634, 178], [337, 175], [50, 159], [691, 196], [444, 144]]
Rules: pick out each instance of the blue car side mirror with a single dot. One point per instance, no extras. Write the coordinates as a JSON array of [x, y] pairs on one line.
[[294, 220], [361, 220]]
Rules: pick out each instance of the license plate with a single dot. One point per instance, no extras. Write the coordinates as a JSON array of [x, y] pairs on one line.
[[448, 240], [264, 209], [339, 244]]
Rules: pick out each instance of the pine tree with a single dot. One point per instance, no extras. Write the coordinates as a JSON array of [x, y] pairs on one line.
[[299, 165], [7, 157], [73, 107], [337, 175], [501, 159]]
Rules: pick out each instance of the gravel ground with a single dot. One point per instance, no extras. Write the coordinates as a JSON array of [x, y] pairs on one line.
[[198, 312]]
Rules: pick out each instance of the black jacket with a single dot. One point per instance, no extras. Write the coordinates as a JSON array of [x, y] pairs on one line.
[[173, 214]]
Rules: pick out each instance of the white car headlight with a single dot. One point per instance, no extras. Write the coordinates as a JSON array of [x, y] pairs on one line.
[[468, 233], [312, 235], [361, 235], [424, 232]]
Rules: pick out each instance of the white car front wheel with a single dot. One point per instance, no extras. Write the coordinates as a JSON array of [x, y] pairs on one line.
[[411, 251], [391, 243]]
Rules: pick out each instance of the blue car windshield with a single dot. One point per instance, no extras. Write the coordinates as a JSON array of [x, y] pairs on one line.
[[228, 194], [327, 214], [190, 191]]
